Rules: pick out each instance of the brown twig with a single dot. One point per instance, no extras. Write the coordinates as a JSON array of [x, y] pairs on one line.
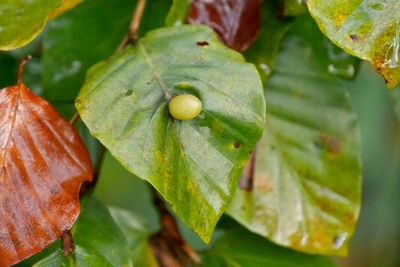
[[247, 179], [74, 119], [133, 33], [67, 243], [168, 245], [21, 68]]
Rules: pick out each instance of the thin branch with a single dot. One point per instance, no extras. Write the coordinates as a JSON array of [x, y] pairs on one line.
[[21, 68], [67, 243], [169, 245], [132, 35], [247, 179], [137, 17], [74, 119]]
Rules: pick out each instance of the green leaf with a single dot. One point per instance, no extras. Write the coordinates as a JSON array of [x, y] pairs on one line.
[[137, 233], [239, 248], [294, 7], [134, 194], [307, 179], [21, 21], [368, 29], [273, 28], [75, 41], [193, 164], [177, 13], [98, 241], [154, 15]]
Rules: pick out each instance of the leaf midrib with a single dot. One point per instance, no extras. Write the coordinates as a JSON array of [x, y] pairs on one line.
[[154, 70], [14, 116]]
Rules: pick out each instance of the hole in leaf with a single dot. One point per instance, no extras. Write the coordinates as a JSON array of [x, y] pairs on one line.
[[339, 240], [353, 37], [202, 43]]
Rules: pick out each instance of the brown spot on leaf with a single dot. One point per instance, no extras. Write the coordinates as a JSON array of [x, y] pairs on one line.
[[236, 145], [330, 143], [202, 43], [263, 184]]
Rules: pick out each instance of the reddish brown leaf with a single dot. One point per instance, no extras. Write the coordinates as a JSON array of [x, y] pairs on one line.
[[237, 22], [43, 163]]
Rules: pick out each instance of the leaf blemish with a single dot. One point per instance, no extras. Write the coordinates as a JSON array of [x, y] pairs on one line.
[[236, 145], [128, 92], [331, 144], [202, 43], [339, 240], [353, 37]]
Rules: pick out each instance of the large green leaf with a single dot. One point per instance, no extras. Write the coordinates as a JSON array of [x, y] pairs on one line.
[[98, 241], [306, 191], [75, 41], [137, 233], [193, 164], [369, 29], [239, 248], [21, 21]]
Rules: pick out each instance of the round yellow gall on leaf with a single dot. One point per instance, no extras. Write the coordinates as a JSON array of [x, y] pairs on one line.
[[185, 107]]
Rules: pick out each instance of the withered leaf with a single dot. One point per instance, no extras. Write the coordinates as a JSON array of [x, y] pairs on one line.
[[43, 163], [237, 22]]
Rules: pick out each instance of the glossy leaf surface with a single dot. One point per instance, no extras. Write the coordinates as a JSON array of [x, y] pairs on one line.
[[367, 29], [43, 163], [239, 248], [237, 22], [65, 59], [98, 241], [306, 189], [193, 164], [21, 21]]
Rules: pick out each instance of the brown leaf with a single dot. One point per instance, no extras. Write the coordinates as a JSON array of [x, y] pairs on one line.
[[43, 163], [237, 22]]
